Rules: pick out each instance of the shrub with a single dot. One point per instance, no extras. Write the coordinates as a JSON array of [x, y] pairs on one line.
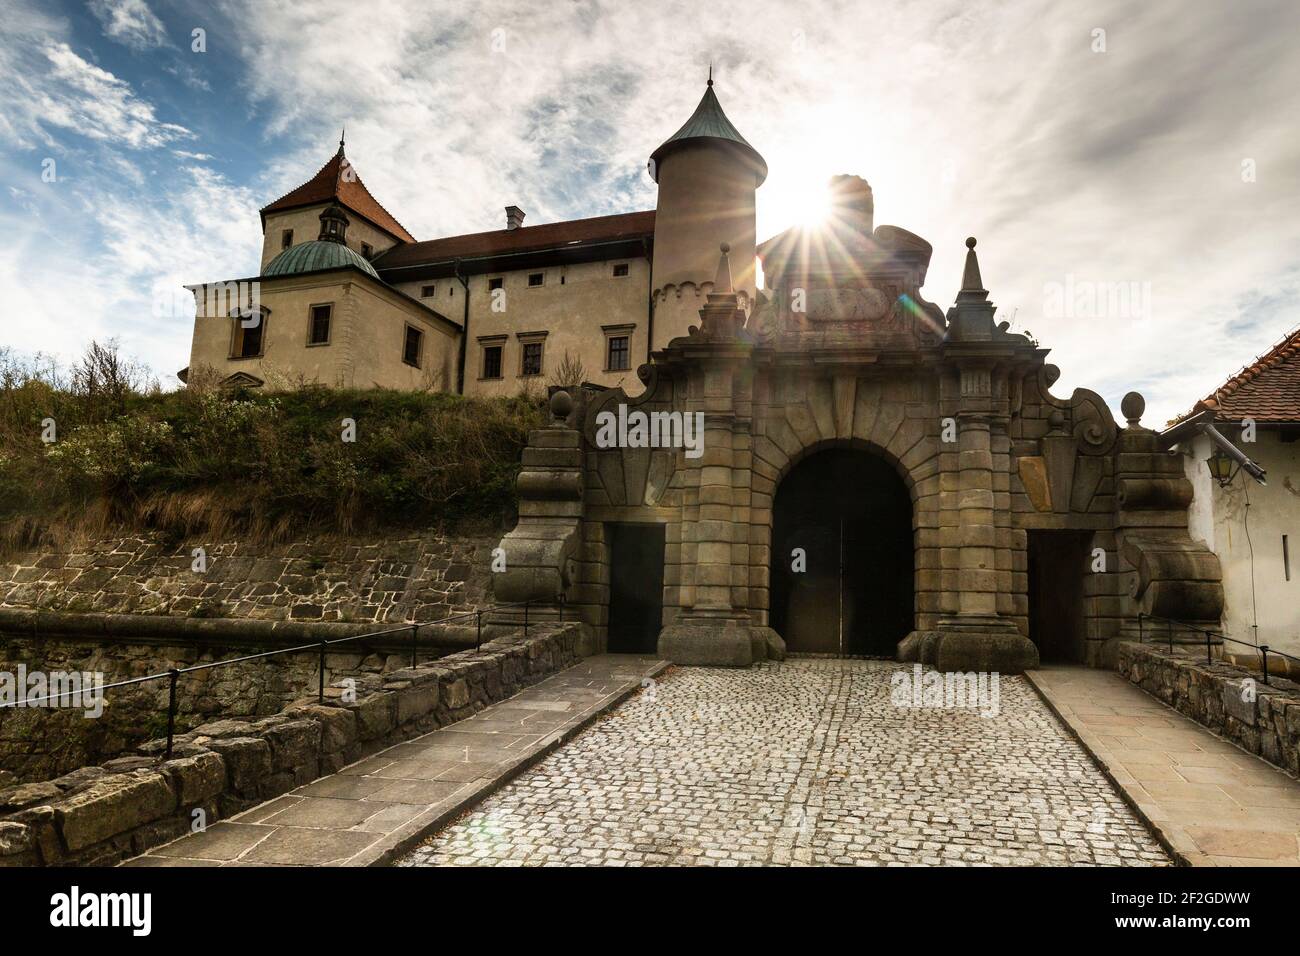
[[204, 460]]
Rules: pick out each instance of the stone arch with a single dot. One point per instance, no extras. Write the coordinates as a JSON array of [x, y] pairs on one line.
[[847, 507]]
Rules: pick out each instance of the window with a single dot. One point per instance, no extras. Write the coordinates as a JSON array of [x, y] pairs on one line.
[[620, 270], [535, 279], [618, 354], [496, 282], [532, 363], [249, 330], [367, 250], [426, 292], [411, 348], [286, 238], [491, 361], [319, 331]]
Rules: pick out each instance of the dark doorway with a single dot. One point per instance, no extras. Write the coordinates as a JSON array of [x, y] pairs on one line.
[[1058, 566], [847, 517], [636, 587]]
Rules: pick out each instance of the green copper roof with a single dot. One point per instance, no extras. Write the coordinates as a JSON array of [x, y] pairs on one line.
[[317, 256], [708, 122]]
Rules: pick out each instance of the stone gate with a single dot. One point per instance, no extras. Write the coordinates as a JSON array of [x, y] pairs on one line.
[[1036, 521]]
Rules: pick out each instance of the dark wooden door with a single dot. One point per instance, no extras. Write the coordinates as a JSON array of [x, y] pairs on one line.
[[636, 587], [842, 564], [1059, 562]]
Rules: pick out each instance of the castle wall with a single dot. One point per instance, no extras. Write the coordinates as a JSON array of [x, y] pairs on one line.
[[573, 307]]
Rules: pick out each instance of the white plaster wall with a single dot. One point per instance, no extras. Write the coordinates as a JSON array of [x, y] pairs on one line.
[[1218, 517]]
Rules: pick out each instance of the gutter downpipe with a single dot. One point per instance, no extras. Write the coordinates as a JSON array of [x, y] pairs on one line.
[[649, 303], [464, 335], [1203, 424]]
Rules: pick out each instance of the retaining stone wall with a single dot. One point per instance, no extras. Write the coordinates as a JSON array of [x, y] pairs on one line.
[[423, 577], [1215, 696], [102, 815]]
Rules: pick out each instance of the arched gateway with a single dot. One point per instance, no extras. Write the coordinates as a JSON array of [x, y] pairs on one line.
[[653, 516], [842, 541], [918, 458]]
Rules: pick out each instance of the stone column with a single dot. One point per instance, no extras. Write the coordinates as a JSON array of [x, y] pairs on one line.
[[716, 630], [978, 637]]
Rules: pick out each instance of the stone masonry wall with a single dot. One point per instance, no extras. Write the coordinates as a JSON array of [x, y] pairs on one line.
[[357, 580], [102, 815], [40, 743], [1261, 718], [422, 577]]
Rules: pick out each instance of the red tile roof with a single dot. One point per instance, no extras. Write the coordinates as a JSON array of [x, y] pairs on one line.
[[1267, 390], [338, 180], [631, 225]]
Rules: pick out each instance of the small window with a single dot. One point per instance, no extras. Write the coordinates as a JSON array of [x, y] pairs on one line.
[[532, 363], [411, 348], [319, 334], [248, 337], [367, 250], [618, 353], [620, 270], [535, 279], [426, 292], [491, 361], [286, 239], [496, 283]]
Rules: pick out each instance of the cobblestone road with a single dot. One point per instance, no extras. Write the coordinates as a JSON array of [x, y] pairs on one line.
[[805, 762]]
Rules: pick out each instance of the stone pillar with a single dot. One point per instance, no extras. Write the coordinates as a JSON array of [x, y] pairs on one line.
[[715, 630], [978, 637]]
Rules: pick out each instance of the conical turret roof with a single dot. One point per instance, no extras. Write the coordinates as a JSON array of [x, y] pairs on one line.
[[708, 122]]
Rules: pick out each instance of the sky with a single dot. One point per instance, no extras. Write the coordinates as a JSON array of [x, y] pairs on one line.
[[1131, 170]]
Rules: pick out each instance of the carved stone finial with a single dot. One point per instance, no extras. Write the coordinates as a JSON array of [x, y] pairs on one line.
[[722, 281], [561, 406], [1133, 405], [971, 280]]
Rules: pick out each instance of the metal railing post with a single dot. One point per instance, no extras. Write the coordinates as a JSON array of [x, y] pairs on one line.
[[415, 637], [1209, 656], [526, 605], [561, 607], [171, 710], [1141, 628], [321, 689], [478, 639], [1169, 630], [1263, 653]]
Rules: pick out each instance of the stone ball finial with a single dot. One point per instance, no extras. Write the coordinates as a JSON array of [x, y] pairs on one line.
[[561, 405], [970, 242], [725, 247], [1133, 405]]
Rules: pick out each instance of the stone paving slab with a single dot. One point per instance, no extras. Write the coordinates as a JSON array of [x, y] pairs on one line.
[[379, 807], [806, 762], [1210, 802]]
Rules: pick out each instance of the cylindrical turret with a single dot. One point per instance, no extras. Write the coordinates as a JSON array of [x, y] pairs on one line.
[[707, 175]]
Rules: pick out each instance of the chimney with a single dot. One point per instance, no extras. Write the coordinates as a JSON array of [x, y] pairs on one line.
[[514, 217]]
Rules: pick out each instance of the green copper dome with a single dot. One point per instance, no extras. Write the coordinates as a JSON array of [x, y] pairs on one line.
[[708, 122], [317, 256]]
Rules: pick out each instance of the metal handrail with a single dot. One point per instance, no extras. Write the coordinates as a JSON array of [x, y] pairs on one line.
[[1264, 649], [173, 674]]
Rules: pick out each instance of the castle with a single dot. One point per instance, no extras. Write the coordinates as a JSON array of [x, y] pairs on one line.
[[346, 296], [874, 476]]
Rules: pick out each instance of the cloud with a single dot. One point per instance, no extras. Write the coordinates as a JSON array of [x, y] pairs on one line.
[[999, 121], [130, 22]]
